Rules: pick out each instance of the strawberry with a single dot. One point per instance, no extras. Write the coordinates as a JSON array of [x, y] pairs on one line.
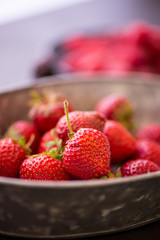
[[43, 167], [147, 149], [149, 131], [49, 140], [11, 156], [79, 119], [87, 154], [47, 110], [85, 58], [122, 143], [27, 130], [118, 108], [143, 35], [137, 167]]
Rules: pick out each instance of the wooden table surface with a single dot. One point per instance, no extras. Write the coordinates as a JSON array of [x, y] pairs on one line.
[[23, 43]]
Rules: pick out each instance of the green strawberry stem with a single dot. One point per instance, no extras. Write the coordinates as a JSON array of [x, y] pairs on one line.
[[118, 173], [12, 132], [29, 143], [55, 142], [37, 96], [22, 143], [71, 134], [53, 153], [125, 115]]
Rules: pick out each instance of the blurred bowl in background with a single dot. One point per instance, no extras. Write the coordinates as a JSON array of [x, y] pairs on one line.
[[135, 48]]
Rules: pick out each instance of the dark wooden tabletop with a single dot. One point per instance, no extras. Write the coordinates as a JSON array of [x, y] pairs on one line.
[[24, 42]]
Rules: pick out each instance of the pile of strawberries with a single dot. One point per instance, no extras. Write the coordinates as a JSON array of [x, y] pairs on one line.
[[60, 143], [132, 48]]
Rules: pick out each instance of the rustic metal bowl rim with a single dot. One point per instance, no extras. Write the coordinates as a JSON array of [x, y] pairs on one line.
[[72, 78], [77, 183]]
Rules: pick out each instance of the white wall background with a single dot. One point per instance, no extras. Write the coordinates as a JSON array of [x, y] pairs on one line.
[[11, 10]]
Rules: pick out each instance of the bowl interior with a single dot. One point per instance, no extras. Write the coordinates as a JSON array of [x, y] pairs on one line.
[[84, 92]]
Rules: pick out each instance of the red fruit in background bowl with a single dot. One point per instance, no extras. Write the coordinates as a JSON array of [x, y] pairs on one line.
[[47, 110], [122, 143], [150, 131], [87, 154], [137, 167], [27, 130], [147, 149], [49, 140], [43, 167], [79, 119], [118, 108], [12, 155]]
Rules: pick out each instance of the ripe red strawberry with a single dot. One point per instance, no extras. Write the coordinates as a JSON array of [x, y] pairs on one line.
[[47, 110], [147, 149], [79, 119], [137, 167], [122, 143], [49, 140], [27, 130], [149, 131], [11, 156], [118, 108], [43, 167], [84, 58], [87, 154]]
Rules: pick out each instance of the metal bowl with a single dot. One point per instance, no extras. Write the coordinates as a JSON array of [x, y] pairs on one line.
[[80, 208]]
